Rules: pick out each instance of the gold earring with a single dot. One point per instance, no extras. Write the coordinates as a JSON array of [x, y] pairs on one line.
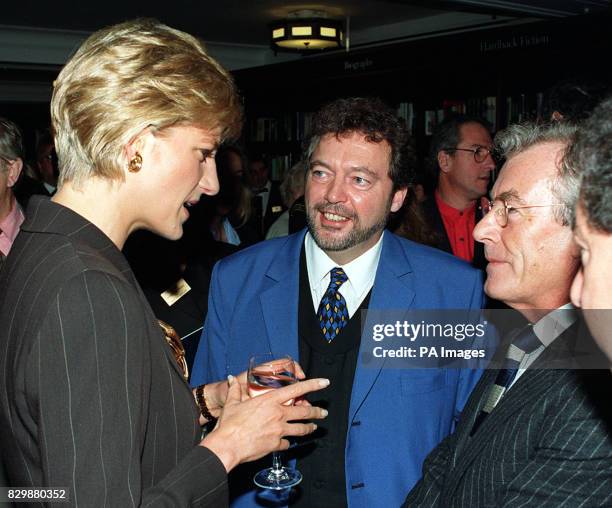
[[135, 164]]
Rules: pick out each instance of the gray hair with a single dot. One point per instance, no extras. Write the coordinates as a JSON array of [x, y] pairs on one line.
[[11, 142], [517, 138], [591, 156]]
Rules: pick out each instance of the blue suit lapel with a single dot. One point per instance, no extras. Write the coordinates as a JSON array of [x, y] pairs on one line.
[[393, 289], [279, 302]]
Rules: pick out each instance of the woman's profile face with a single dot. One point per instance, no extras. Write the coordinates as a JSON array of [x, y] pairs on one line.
[[178, 167]]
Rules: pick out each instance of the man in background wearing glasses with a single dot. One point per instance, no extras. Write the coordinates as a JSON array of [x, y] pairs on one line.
[[460, 158], [530, 434], [11, 163]]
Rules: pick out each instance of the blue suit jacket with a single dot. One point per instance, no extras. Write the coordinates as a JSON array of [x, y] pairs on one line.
[[402, 414]]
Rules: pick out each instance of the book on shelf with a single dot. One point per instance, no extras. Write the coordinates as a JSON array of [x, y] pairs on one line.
[[264, 129], [522, 107], [490, 112], [303, 121], [406, 112], [483, 107], [431, 120], [279, 165], [453, 106]]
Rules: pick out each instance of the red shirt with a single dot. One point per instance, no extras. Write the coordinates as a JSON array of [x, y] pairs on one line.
[[459, 225]]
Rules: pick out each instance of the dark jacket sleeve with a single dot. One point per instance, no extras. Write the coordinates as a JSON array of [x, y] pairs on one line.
[[571, 464], [427, 492], [88, 386]]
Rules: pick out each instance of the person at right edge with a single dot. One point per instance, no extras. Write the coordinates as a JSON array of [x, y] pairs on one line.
[[592, 287], [535, 432]]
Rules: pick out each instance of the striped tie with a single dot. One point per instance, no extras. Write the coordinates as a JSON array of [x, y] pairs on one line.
[[333, 315], [525, 342]]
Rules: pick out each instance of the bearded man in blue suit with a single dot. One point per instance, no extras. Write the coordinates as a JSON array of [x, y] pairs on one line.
[[382, 422]]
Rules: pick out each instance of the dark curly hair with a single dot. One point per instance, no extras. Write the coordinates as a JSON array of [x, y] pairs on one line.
[[371, 117]]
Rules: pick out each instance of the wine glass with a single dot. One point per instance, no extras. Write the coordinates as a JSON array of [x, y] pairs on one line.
[[267, 373]]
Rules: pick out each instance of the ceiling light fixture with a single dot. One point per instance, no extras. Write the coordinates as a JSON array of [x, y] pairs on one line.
[[307, 30]]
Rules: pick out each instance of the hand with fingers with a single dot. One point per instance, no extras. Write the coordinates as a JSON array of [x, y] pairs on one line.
[[216, 393], [251, 428]]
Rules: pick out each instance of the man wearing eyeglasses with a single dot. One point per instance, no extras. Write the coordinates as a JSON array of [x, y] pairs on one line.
[[11, 163], [460, 157], [530, 435]]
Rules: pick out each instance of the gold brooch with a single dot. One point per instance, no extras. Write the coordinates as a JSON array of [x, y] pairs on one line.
[[174, 341]]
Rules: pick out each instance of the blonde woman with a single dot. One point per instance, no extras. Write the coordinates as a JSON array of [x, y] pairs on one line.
[[91, 397]]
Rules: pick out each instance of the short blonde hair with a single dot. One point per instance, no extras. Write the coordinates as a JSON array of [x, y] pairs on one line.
[[126, 78]]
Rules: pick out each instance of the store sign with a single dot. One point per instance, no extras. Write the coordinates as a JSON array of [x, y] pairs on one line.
[[359, 65], [514, 42]]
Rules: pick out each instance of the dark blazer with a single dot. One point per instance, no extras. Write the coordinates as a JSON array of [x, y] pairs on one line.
[[91, 397], [548, 443], [431, 213], [26, 187]]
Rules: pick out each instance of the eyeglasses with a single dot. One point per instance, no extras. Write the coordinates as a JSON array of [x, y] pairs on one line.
[[501, 210], [480, 153]]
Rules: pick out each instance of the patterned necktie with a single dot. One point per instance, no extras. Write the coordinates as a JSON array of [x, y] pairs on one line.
[[333, 314], [525, 342]]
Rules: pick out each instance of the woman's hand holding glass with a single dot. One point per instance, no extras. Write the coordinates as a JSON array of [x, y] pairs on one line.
[[250, 428], [216, 393]]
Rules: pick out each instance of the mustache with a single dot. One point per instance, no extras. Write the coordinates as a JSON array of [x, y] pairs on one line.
[[336, 209]]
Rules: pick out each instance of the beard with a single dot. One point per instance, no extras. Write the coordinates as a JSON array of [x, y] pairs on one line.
[[357, 235]]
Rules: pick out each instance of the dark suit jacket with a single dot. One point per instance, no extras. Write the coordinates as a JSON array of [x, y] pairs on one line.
[[547, 443], [91, 397], [26, 187], [434, 220]]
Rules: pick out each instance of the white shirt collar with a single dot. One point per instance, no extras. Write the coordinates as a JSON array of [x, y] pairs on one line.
[[50, 188], [548, 328], [555, 323], [265, 198], [361, 273]]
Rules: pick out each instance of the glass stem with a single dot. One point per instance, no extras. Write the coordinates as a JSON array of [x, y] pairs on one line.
[[277, 465]]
